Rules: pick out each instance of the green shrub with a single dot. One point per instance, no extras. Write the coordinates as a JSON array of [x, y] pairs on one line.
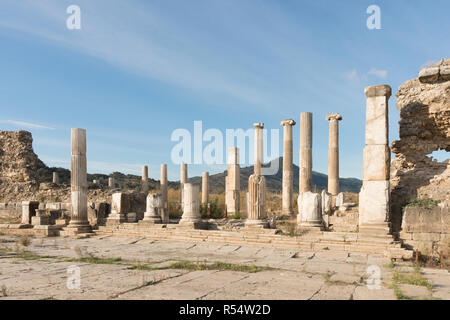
[[214, 211], [422, 203]]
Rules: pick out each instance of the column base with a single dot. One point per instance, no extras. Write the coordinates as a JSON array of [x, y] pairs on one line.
[[115, 218], [76, 230], [151, 220], [289, 212], [312, 225], [257, 224], [194, 224]]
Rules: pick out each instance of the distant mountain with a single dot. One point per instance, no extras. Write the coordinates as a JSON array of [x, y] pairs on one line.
[[274, 182]]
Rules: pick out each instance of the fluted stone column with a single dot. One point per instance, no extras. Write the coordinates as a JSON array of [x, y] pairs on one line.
[[257, 185], [191, 211], [55, 178], [164, 195], [183, 180], [153, 205], [333, 153], [78, 179], [288, 173], [144, 181], [305, 183], [232, 182], [110, 182], [205, 187], [374, 195]]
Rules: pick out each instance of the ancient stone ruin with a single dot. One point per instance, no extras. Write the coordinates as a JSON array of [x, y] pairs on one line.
[[424, 105], [327, 218]]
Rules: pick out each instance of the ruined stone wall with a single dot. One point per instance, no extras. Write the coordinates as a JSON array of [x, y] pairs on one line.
[[424, 127], [18, 162], [427, 230]]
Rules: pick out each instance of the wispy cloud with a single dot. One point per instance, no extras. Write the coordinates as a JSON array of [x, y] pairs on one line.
[[361, 77], [27, 125], [379, 73]]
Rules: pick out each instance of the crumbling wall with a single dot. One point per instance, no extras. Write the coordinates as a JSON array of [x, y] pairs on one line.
[[424, 127]]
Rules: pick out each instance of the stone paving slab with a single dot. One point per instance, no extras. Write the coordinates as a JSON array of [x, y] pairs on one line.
[[293, 273]]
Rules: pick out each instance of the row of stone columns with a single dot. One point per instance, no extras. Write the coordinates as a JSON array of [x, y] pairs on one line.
[[374, 196]]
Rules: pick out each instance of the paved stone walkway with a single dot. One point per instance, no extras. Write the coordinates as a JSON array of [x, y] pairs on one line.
[[40, 271]]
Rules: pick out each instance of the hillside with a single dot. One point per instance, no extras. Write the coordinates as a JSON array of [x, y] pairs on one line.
[[274, 182], [23, 176]]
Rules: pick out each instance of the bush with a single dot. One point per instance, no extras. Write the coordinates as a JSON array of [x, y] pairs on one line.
[[214, 211], [422, 203]]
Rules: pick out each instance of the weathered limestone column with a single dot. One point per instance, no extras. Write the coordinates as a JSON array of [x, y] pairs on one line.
[[333, 153], [305, 176], [288, 173], [233, 183], [183, 180], [110, 182], [78, 179], [191, 210], [205, 187], [144, 181], [164, 195], [374, 195], [55, 178], [257, 185], [153, 205]]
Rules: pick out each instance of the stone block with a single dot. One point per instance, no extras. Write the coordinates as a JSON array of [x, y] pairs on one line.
[[28, 210], [424, 236], [445, 73], [131, 217], [376, 121], [429, 75], [310, 209], [376, 159], [374, 202], [41, 220], [326, 202]]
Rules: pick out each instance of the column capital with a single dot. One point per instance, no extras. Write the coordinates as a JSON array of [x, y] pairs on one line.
[[333, 116], [378, 91], [258, 125], [287, 122]]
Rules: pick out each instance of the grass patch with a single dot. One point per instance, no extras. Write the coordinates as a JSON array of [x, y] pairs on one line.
[[199, 266], [95, 260], [422, 203], [414, 278], [399, 293], [25, 255]]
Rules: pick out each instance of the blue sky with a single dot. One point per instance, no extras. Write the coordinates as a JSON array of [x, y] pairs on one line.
[[137, 70]]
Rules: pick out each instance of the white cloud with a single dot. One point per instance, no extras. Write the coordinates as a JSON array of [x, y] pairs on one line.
[[355, 76], [27, 125], [379, 73]]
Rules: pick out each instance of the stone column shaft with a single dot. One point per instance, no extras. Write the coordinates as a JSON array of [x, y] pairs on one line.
[[55, 178], [164, 195], [305, 183], [191, 210], [111, 182], [78, 181], [374, 196], [144, 179], [257, 185], [232, 182], [288, 173], [205, 187], [333, 154], [183, 180]]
